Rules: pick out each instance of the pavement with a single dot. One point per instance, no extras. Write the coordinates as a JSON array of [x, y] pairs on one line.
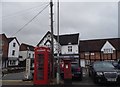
[[16, 82]]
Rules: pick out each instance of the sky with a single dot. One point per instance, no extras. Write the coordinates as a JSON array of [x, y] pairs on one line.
[[92, 20]]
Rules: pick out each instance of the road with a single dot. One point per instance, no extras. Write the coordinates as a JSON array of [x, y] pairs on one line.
[[15, 80]]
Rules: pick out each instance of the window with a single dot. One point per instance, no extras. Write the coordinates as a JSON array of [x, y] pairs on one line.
[[1, 43], [14, 44], [87, 53], [92, 54], [13, 52], [12, 62], [69, 48], [29, 55], [108, 50], [49, 36], [33, 55]]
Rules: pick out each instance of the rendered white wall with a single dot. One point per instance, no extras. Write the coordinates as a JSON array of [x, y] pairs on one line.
[[11, 48], [64, 49], [25, 54]]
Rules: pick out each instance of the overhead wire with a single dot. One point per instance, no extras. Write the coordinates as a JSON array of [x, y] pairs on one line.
[[31, 20], [21, 12]]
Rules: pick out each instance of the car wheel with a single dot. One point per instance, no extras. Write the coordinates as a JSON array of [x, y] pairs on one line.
[[80, 78], [2, 74], [89, 74], [95, 80]]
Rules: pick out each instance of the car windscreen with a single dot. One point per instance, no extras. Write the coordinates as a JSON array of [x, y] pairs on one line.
[[103, 65]]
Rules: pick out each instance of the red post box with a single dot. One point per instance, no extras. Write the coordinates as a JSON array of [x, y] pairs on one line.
[[42, 66], [67, 71]]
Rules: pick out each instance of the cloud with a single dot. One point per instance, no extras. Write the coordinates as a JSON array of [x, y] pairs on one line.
[[90, 19]]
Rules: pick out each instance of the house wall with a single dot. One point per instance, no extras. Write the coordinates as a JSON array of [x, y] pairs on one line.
[[99, 56], [4, 50], [64, 49], [25, 54], [4, 44], [88, 58], [11, 48], [118, 54], [109, 56]]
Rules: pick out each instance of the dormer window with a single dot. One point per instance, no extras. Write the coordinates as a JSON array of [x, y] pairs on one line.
[[14, 44], [69, 48]]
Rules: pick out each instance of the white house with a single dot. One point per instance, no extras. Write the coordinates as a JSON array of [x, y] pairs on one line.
[[26, 51], [68, 44], [13, 51]]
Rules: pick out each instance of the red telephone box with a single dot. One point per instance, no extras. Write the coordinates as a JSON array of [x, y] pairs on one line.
[[67, 69], [42, 66]]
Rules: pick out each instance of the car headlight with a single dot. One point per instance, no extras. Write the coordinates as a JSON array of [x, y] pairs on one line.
[[118, 73], [99, 73]]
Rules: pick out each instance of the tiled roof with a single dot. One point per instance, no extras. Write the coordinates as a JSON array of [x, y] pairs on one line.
[[3, 36], [68, 39], [24, 47], [96, 45], [65, 39], [12, 38]]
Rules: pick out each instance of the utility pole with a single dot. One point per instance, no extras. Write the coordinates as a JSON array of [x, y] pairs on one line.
[[58, 58], [52, 42]]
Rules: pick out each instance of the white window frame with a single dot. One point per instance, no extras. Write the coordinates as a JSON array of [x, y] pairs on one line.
[[14, 44], [108, 50], [13, 52], [69, 48]]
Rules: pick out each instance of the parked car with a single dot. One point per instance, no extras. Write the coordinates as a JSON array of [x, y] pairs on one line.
[[116, 64], [104, 72], [76, 71]]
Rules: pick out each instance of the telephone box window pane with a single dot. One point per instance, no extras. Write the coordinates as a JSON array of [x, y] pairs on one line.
[[40, 68]]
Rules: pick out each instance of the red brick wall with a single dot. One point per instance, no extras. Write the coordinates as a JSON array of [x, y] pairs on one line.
[[118, 54], [99, 56], [4, 46]]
